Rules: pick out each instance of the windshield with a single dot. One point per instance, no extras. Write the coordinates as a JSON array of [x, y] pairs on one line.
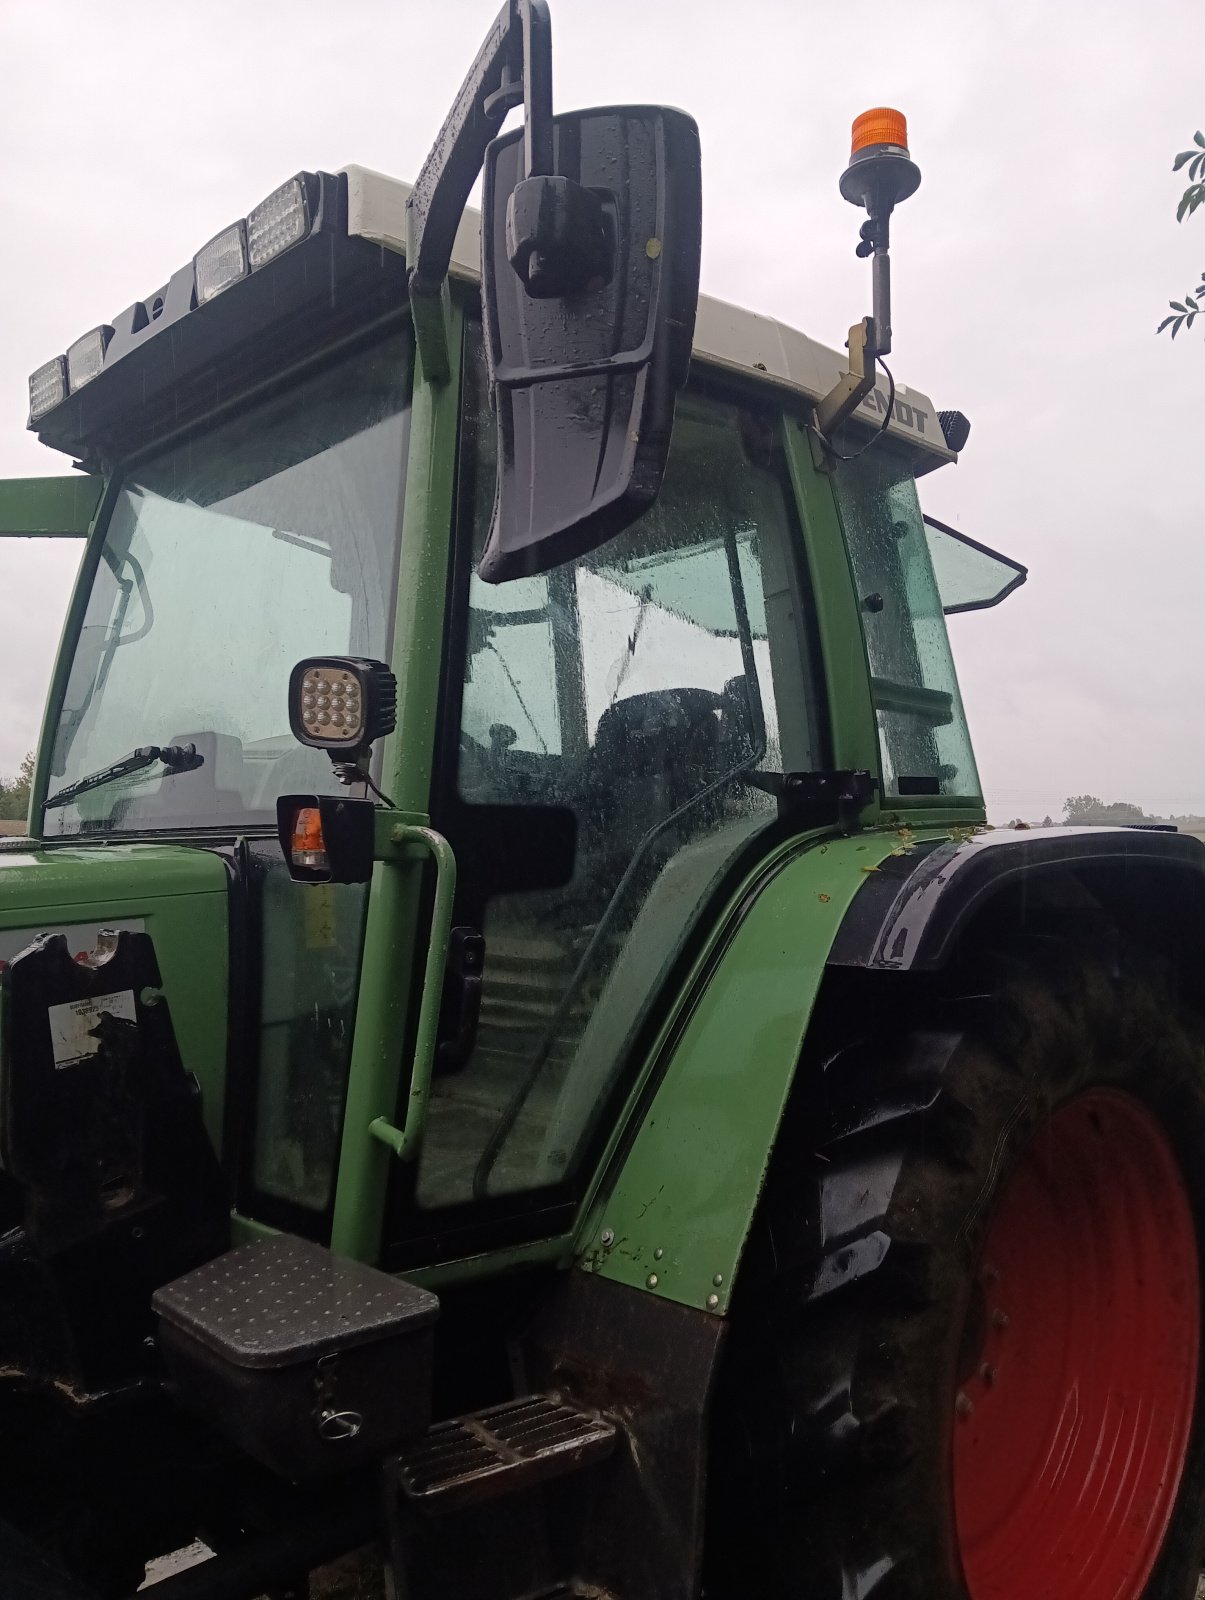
[[268, 536]]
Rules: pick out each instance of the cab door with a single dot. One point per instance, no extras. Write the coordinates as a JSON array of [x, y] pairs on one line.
[[612, 741]]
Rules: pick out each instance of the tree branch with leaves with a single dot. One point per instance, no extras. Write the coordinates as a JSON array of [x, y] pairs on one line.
[[1186, 311], [14, 796]]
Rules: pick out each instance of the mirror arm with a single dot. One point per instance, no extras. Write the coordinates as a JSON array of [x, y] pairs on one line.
[[537, 88], [514, 63]]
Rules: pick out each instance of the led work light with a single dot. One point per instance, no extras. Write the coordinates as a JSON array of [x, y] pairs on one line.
[[340, 704], [86, 356], [220, 263], [272, 227], [47, 388], [283, 219]]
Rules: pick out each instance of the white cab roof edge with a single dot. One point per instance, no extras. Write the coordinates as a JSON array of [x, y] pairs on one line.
[[726, 336]]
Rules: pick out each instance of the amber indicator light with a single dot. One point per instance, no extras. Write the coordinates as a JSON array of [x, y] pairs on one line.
[[308, 845]]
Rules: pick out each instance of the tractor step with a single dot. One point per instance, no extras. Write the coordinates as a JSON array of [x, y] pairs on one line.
[[572, 1591], [502, 1450]]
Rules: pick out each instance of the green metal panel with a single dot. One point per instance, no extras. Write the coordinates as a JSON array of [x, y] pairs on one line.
[[46, 880], [179, 895], [675, 1219], [392, 941], [49, 508], [855, 737]]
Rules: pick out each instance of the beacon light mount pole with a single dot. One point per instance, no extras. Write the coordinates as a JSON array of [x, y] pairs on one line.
[[880, 174]]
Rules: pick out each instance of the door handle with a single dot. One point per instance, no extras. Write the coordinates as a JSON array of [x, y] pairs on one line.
[[462, 999]]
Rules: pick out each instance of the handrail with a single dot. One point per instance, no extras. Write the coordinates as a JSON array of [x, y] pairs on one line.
[[405, 1141]]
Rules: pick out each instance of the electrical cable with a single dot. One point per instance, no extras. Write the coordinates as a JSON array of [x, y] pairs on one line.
[[380, 793], [879, 432]]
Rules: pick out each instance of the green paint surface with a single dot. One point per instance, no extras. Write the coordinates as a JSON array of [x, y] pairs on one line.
[[683, 1202], [48, 508], [179, 895], [393, 939], [855, 739]]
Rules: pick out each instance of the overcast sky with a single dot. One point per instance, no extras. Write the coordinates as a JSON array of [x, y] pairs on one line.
[[1030, 272]]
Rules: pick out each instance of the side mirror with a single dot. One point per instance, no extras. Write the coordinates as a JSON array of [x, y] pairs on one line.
[[585, 361], [590, 247]]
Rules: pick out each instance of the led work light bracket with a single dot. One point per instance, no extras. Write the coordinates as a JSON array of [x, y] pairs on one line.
[[880, 174]]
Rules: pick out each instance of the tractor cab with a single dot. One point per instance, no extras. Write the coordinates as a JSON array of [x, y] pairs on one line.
[[603, 743]]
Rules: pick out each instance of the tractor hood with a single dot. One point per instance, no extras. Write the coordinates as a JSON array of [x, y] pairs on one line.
[[176, 894]]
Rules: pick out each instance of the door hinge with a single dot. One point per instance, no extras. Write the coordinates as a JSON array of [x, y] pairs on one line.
[[826, 796]]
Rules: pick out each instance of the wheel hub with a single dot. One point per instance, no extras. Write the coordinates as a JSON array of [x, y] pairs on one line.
[[1072, 1419]]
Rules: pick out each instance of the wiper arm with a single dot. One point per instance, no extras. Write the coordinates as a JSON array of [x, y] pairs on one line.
[[176, 757]]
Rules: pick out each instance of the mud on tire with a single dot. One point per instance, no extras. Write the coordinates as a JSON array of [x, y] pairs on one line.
[[831, 1474]]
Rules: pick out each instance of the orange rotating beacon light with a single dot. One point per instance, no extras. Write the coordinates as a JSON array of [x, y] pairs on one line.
[[881, 173]]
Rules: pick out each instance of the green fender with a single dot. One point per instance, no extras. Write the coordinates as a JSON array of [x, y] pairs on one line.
[[672, 1219]]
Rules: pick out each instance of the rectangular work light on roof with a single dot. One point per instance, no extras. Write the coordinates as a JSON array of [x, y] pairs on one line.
[[47, 388], [283, 219], [220, 263], [86, 357]]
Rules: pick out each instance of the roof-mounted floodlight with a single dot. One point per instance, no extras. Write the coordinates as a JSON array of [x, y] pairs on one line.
[[47, 388], [221, 262], [880, 174], [86, 356]]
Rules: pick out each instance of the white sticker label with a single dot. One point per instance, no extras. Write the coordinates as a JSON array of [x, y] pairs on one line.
[[71, 1025]]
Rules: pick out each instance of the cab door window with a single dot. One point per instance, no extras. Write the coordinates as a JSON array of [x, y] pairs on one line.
[[650, 695]]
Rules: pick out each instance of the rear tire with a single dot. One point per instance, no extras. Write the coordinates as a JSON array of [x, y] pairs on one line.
[[883, 1427]]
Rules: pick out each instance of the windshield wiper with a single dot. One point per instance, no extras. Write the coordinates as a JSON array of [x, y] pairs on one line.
[[176, 757]]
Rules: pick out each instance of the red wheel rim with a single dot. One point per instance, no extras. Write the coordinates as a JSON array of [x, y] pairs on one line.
[[1072, 1420]]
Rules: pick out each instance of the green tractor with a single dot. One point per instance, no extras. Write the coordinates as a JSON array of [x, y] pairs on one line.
[[516, 1041]]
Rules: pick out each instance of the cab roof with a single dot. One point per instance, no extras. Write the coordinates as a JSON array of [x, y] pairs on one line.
[[726, 336]]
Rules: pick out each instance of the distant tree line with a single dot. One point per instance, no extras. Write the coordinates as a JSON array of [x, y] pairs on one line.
[[14, 795], [1088, 810]]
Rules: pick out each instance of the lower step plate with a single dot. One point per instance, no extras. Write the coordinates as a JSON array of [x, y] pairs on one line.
[[500, 1451]]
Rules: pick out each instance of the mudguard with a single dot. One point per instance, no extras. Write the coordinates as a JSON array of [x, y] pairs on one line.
[[675, 1206], [911, 913], [678, 1198]]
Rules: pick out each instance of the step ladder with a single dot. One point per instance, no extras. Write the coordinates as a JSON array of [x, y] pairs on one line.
[[442, 1485], [501, 1450]]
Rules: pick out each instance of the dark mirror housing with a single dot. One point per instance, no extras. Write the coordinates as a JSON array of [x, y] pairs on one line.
[[326, 838], [590, 281]]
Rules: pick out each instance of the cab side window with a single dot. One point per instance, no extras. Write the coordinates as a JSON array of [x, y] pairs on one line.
[[632, 710]]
